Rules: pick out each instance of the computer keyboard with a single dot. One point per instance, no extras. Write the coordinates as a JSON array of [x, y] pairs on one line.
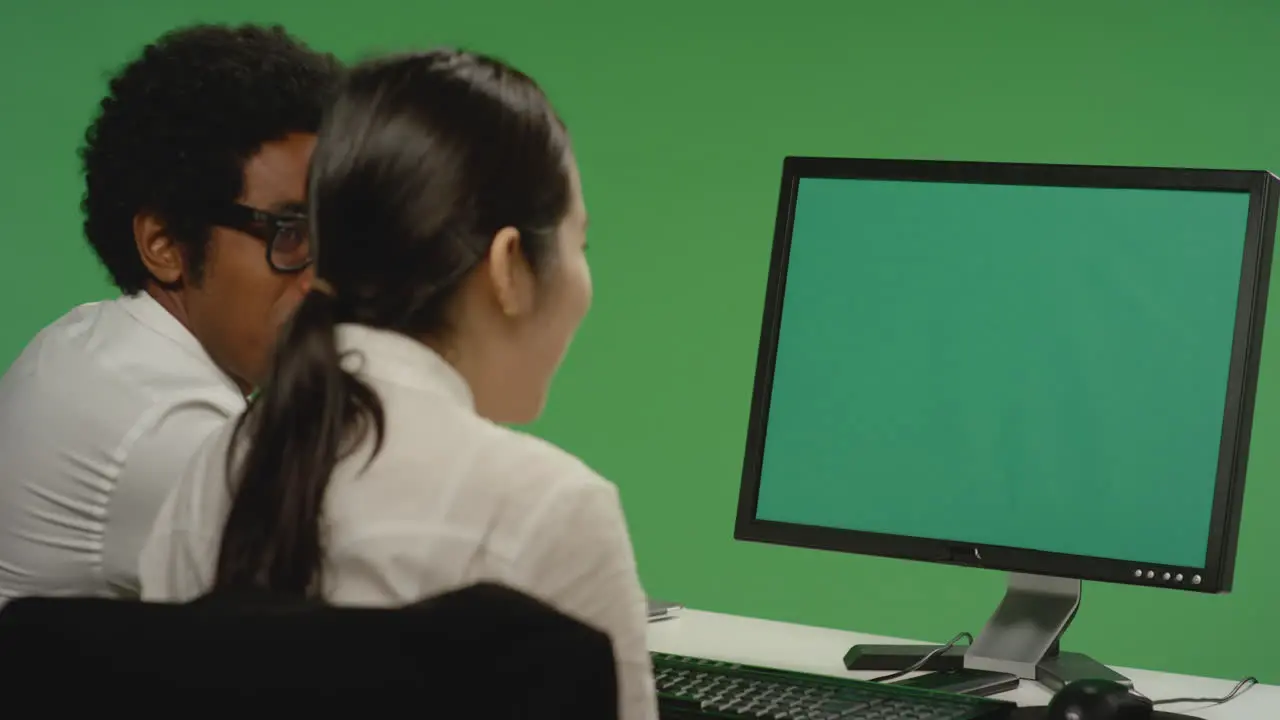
[[699, 688]]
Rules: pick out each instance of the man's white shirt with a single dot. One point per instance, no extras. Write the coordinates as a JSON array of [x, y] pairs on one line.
[[99, 417]]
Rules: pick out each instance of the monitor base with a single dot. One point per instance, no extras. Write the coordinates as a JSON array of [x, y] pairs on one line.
[[1021, 638], [1054, 672], [1063, 669]]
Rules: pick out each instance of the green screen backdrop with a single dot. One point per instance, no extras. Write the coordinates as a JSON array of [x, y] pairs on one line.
[[1005, 365], [681, 114]]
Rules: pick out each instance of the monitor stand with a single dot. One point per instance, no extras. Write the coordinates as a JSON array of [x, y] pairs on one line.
[[1021, 638]]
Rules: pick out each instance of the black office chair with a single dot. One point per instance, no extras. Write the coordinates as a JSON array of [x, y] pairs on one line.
[[482, 652]]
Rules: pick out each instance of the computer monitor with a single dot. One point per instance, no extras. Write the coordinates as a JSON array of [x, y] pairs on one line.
[[1040, 369]]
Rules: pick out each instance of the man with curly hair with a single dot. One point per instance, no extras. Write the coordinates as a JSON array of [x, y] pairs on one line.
[[195, 181]]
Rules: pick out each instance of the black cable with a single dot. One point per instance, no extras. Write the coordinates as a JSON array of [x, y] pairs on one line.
[[1241, 688], [925, 660]]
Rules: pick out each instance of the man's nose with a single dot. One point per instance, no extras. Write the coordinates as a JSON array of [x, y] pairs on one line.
[[305, 278]]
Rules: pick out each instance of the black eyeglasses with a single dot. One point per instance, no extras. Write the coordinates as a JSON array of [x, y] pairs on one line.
[[287, 236]]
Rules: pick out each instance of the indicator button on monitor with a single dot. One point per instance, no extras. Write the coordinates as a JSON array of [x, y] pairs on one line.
[[1178, 577], [1150, 574], [1195, 580]]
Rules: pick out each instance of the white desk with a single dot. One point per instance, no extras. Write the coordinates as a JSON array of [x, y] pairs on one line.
[[818, 650]]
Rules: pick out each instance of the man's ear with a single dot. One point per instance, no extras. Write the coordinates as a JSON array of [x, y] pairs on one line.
[[510, 275], [160, 253]]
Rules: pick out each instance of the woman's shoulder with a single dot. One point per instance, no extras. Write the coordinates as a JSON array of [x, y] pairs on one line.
[[526, 459], [466, 460]]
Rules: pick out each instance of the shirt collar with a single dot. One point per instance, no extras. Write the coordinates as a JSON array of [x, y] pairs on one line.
[[398, 358], [150, 313]]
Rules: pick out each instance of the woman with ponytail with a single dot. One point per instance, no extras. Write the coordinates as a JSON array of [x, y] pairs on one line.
[[375, 467]]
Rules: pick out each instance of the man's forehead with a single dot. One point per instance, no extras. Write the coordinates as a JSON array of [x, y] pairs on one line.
[[275, 177]]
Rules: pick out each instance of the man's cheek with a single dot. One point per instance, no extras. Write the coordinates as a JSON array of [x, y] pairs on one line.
[[284, 306]]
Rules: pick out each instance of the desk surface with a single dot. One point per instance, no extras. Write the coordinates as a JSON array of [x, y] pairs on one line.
[[818, 650]]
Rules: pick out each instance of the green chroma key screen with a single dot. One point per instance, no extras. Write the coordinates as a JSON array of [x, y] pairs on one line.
[[1024, 366]]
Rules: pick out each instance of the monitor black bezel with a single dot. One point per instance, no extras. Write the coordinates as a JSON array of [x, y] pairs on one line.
[[1217, 573]]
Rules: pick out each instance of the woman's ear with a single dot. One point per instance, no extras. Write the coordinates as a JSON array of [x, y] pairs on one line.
[[510, 275], [159, 252]]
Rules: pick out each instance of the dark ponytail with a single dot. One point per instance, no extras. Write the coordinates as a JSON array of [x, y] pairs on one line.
[[311, 413]]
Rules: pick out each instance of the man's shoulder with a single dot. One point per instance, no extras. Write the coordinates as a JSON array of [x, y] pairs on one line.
[[100, 361], [64, 356]]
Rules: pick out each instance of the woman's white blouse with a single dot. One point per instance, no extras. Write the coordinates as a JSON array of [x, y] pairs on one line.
[[451, 499]]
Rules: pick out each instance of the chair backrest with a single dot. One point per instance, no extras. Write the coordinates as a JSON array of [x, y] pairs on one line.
[[485, 651]]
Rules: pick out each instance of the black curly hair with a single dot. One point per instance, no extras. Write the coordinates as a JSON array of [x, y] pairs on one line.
[[177, 125]]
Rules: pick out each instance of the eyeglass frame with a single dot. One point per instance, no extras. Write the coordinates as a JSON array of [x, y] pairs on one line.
[[266, 226]]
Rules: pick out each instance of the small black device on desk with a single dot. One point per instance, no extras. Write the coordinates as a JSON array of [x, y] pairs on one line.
[[964, 682], [663, 609], [698, 688]]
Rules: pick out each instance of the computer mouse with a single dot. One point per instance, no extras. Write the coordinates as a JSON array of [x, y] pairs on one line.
[[1098, 700]]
